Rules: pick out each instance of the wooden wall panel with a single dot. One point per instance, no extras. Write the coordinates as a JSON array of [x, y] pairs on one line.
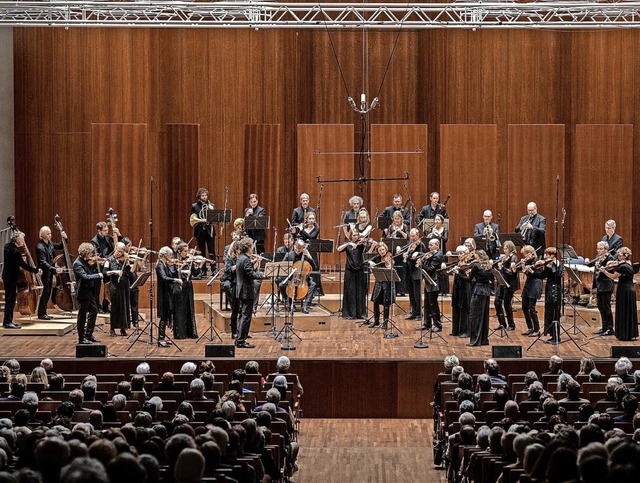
[[536, 159], [262, 155], [121, 177], [335, 196], [468, 172], [395, 138], [603, 185]]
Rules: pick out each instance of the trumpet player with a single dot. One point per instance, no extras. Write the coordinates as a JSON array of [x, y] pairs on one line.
[[489, 232], [532, 227], [255, 210], [203, 231]]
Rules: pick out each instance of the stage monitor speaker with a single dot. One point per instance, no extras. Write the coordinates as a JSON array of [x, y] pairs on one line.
[[219, 350], [630, 351], [506, 351], [91, 350]]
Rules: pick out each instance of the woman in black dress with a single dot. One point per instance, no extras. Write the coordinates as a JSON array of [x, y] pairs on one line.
[[310, 230], [440, 233], [482, 279], [166, 279], [549, 268], [383, 292], [117, 268], [626, 306], [354, 298], [400, 230], [184, 317], [460, 298]]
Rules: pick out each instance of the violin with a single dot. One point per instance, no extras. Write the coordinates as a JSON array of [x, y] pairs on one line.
[[526, 261], [541, 263], [613, 264]]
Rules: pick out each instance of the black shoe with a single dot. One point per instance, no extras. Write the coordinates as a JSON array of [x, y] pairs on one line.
[[305, 310], [500, 327], [552, 341], [163, 343], [374, 323], [423, 327], [464, 335], [249, 336], [437, 329], [245, 345], [607, 332], [527, 333], [123, 332], [112, 333], [511, 327], [12, 326], [599, 332], [411, 317], [385, 325], [84, 341], [45, 317], [91, 338], [535, 334], [233, 336]]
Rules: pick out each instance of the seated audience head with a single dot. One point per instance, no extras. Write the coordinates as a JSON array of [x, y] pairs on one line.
[[482, 437], [465, 381], [623, 366], [89, 389], [535, 390], [450, 362], [188, 368], [455, 372], [283, 364], [555, 364], [595, 376], [252, 367], [484, 383], [529, 378], [143, 368], [466, 407], [585, 412], [39, 374], [492, 367], [586, 365], [196, 386], [189, 467], [207, 366], [13, 365], [124, 388], [563, 380], [573, 389]]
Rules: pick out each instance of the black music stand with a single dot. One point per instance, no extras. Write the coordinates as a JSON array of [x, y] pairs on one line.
[[217, 217], [516, 238], [275, 271], [390, 276], [503, 283], [575, 279], [566, 252], [319, 246], [428, 223], [211, 331], [256, 222], [384, 222]]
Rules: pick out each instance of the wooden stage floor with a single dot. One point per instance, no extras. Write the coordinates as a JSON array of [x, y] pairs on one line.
[[338, 339]]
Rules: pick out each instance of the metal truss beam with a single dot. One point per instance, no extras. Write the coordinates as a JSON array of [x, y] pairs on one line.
[[249, 14]]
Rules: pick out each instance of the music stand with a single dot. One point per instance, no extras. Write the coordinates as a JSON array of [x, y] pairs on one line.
[[575, 279], [218, 216], [516, 238], [428, 223], [384, 222], [256, 223], [497, 274], [567, 252], [275, 271], [287, 330], [211, 330], [141, 280], [390, 276]]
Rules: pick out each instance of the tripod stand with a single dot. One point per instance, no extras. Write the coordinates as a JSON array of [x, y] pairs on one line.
[[276, 271], [211, 331], [287, 332]]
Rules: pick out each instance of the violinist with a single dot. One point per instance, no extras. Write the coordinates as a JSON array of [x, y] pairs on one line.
[[104, 244], [117, 268], [532, 227], [482, 279], [13, 262], [383, 292], [45, 253], [603, 286], [460, 297], [354, 297], [228, 282], [531, 292], [255, 210], [300, 212], [184, 318], [175, 241], [440, 233], [351, 216], [503, 302], [488, 231], [549, 268], [137, 265], [432, 209], [626, 305], [300, 254], [362, 226], [166, 279], [414, 273], [204, 232], [390, 211], [310, 231], [246, 278], [399, 229], [88, 277], [431, 262]]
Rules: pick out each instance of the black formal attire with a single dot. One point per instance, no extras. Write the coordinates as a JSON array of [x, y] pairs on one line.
[[429, 212], [354, 297], [503, 302], [398, 263], [104, 249], [604, 290], [166, 286], [431, 308], [390, 210], [414, 280], [246, 277], [313, 235], [204, 233], [442, 237], [184, 314], [120, 314], [626, 306], [531, 292], [258, 236], [228, 281], [383, 295], [282, 250], [294, 257], [491, 246], [552, 272], [134, 297], [87, 277], [460, 305], [45, 253], [536, 236], [299, 213], [13, 262], [614, 242], [479, 309]]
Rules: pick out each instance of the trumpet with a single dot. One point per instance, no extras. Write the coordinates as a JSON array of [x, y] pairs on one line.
[[196, 220], [524, 231], [490, 232]]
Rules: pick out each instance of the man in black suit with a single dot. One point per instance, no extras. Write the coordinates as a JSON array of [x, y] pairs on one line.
[[204, 232], [431, 263], [104, 246], [299, 213], [612, 238], [532, 227], [246, 277], [88, 276], [13, 262], [489, 231], [45, 253], [256, 210], [432, 209], [397, 206]]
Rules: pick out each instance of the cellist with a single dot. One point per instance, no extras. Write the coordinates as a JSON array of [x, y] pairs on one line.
[[45, 252], [299, 255], [13, 262]]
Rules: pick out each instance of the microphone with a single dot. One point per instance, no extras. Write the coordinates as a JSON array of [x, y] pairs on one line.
[[374, 103], [352, 103]]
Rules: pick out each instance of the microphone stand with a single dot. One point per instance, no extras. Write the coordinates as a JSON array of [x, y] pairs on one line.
[[339, 228]]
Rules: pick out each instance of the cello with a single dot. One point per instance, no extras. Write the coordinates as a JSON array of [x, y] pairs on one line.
[[29, 284], [297, 289], [64, 295]]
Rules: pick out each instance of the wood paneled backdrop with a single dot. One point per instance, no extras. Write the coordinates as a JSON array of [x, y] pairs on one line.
[[498, 115]]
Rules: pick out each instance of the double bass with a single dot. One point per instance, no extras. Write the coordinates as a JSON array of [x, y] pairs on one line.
[[64, 295], [29, 284]]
